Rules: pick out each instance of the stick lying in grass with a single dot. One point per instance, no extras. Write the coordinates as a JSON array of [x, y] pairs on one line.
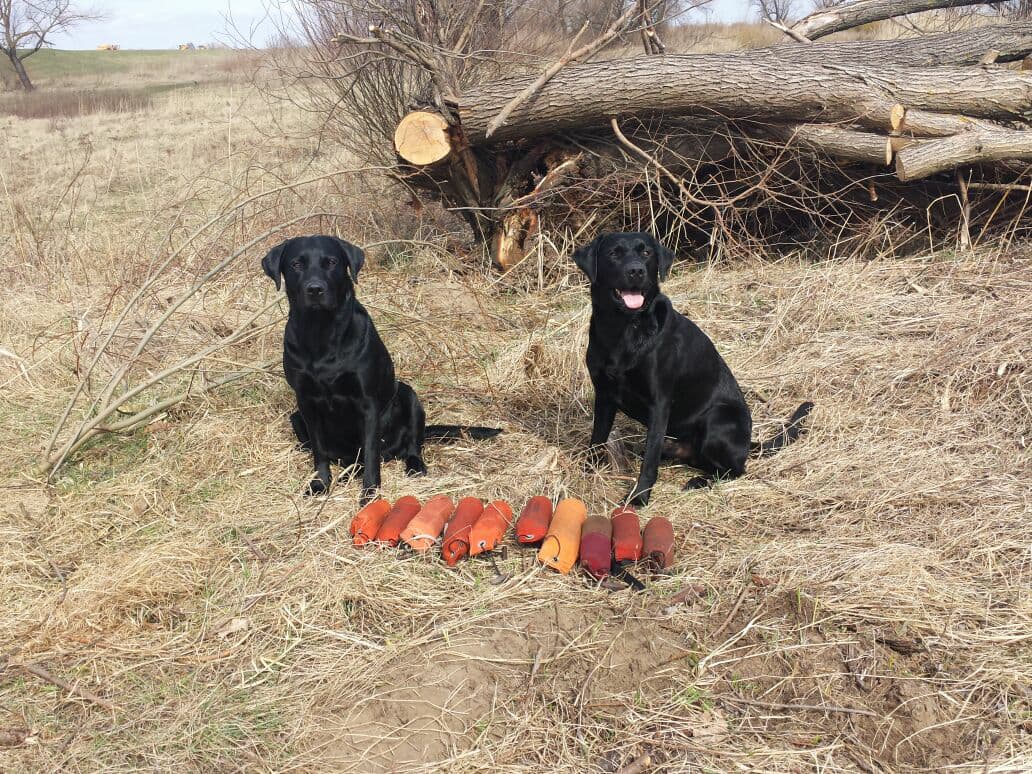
[[75, 690]]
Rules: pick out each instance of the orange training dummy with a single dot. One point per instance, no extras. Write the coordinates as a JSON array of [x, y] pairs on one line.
[[426, 527], [658, 542], [533, 522], [456, 536], [368, 520], [490, 528], [626, 535], [561, 544], [399, 517]]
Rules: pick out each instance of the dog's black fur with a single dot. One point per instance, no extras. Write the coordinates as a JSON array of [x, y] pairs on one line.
[[351, 408], [659, 368]]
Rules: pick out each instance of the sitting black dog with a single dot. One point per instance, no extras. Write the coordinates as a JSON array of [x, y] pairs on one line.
[[659, 368], [351, 408]]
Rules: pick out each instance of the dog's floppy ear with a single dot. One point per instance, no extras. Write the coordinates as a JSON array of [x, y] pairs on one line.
[[586, 257], [666, 258], [272, 263], [353, 255]]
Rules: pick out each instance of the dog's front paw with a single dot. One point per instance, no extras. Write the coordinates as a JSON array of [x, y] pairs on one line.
[[595, 459], [415, 467], [639, 498], [697, 482], [315, 487]]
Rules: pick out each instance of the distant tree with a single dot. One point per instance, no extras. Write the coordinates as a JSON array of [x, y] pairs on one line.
[[26, 26], [774, 10], [1019, 9]]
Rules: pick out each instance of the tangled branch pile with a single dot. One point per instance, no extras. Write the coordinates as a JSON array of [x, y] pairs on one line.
[[792, 144]]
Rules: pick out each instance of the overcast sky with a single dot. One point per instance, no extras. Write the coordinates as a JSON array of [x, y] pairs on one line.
[[150, 24]]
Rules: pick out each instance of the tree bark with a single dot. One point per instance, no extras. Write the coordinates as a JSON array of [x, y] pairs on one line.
[[837, 142], [732, 87], [924, 159], [21, 72], [850, 15]]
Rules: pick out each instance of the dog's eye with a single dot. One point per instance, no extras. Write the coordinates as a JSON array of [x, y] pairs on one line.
[[296, 263], [646, 252], [331, 262]]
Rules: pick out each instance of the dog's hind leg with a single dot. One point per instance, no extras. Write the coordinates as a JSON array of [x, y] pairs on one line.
[[724, 447], [415, 426], [297, 422]]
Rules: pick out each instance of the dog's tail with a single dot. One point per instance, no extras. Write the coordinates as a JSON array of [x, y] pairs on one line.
[[792, 430], [458, 432]]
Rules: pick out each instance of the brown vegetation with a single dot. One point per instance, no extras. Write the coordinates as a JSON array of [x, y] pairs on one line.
[[857, 602]]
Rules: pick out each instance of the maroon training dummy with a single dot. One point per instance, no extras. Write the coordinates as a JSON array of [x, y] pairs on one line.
[[658, 542], [596, 547]]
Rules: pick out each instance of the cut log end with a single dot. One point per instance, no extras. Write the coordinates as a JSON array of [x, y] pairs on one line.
[[421, 138], [897, 116]]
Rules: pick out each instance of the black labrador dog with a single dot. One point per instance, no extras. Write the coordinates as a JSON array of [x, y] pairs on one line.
[[654, 364], [351, 408]]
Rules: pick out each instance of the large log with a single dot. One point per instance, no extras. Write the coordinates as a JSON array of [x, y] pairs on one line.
[[590, 95], [924, 159], [967, 47], [850, 15], [1011, 41], [837, 142]]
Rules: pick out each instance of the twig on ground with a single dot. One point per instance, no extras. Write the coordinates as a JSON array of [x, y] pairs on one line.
[[801, 707], [75, 690], [734, 610]]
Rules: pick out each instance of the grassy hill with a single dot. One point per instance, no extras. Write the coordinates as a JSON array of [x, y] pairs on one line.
[[83, 69]]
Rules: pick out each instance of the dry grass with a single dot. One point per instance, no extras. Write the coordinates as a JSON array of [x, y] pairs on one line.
[[49, 104], [877, 571]]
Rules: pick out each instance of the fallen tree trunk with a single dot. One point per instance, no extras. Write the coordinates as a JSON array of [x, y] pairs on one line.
[[837, 142], [1012, 42], [589, 95], [924, 159], [860, 102], [844, 17]]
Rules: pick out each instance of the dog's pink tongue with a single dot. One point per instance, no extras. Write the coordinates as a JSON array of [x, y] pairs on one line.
[[632, 300]]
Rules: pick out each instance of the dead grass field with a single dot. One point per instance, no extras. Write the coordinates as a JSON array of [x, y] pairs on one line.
[[860, 602]]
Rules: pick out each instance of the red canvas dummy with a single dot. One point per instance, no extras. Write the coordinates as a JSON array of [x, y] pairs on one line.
[[457, 534], [658, 542], [534, 519], [626, 535], [399, 517], [368, 521], [490, 528]]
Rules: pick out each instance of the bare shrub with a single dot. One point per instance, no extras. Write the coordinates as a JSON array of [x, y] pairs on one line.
[[774, 10]]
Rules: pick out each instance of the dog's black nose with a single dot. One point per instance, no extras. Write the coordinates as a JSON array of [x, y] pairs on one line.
[[315, 289], [636, 272]]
